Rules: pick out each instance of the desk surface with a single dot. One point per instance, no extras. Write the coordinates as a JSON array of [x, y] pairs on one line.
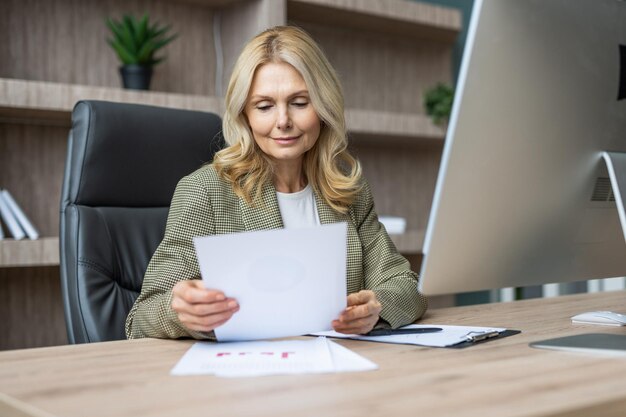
[[499, 378]]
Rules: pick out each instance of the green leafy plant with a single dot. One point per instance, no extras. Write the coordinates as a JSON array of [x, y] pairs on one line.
[[438, 103], [137, 41]]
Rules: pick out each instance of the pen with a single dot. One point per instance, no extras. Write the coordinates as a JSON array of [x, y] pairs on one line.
[[391, 332]]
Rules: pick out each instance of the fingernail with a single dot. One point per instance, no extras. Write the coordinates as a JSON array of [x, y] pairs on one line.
[[232, 304], [220, 297]]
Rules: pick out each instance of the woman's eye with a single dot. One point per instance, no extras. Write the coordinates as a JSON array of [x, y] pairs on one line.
[[264, 107], [300, 103]]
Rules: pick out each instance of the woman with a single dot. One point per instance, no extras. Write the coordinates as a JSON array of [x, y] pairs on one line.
[[286, 165]]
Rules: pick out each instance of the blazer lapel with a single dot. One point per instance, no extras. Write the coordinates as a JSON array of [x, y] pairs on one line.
[[353, 244], [326, 213], [267, 216], [264, 216]]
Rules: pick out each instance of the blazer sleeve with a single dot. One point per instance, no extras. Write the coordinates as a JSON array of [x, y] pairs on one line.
[[174, 260], [386, 272]]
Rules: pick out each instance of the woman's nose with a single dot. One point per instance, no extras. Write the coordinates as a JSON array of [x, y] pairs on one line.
[[284, 120]]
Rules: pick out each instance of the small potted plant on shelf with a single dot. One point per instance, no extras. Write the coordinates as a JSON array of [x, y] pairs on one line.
[[136, 42], [438, 103]]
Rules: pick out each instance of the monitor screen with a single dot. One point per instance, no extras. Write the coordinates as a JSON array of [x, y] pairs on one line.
[[523, 195]]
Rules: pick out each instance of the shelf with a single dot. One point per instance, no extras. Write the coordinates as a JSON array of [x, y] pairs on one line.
[[409, 243], [52, 103], [367, 126], [398, 17], [26, 252], [23, 101], [45, 251], [216, 4]]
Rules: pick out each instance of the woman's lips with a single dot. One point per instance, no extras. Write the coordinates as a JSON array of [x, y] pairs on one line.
[[286, 139]]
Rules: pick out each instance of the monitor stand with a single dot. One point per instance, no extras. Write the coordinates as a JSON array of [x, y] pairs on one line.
[[616, 165]]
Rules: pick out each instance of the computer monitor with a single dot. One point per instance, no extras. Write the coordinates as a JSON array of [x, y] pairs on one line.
[[523, 195]]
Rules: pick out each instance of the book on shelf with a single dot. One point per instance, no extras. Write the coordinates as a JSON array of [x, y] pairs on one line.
[[17, 223], [13, 227]]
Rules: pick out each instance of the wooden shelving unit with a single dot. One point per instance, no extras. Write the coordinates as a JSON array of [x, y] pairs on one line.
[[27, 101], [383, 128], [45, 251], [29, 253], [386, 52], [211, 3], [403, 18]]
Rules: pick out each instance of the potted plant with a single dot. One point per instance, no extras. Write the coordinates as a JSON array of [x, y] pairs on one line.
[[136, 43], [438, 103]]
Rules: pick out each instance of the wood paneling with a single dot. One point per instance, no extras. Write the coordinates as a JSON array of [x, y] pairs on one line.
[[31, 308], [241, 23], [65, 41], [32, 159], [402, 178], [383, 72], [411, 19]]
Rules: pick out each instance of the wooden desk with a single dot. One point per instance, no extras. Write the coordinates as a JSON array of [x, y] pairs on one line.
[[499, 378]]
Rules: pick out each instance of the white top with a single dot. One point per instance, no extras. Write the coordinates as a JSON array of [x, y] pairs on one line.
[[298, 210]]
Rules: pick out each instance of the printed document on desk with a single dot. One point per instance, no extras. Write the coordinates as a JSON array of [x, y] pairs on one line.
[[449, 335], [288, 282], [246, 359]]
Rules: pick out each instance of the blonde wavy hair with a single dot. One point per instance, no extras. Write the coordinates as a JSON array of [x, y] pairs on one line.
[[333, 173]]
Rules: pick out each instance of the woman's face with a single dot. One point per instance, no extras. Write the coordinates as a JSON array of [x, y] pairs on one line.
[[280, 114]]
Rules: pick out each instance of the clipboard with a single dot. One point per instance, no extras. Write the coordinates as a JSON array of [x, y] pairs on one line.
[[454, 337], [483, 338]]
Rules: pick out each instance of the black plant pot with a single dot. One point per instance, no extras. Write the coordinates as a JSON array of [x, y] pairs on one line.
[[136, 77]]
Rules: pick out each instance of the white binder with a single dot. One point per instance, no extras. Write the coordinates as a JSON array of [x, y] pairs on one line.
[[23, 221], [9, 219]]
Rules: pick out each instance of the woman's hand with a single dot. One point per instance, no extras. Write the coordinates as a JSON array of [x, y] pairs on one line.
[[201, 309], [361, 314]]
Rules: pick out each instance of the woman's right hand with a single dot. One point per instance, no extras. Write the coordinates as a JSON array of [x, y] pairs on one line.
[[199, 308]]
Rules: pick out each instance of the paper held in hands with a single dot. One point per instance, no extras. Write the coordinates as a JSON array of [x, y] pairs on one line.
[[288, 282]]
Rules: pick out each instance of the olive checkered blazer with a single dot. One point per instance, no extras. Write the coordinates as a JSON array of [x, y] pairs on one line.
[[204, 204]]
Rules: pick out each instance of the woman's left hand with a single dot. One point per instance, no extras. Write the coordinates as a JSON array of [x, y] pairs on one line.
[[361, 314]]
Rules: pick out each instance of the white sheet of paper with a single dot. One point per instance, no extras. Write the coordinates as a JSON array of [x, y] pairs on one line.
[[448, 336], [288, 282], [346, 360], [247, 359]]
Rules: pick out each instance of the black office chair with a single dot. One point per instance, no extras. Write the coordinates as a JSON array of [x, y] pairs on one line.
[[123, 163]]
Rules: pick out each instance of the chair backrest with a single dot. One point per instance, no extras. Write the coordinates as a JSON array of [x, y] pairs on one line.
[[123, 164]]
